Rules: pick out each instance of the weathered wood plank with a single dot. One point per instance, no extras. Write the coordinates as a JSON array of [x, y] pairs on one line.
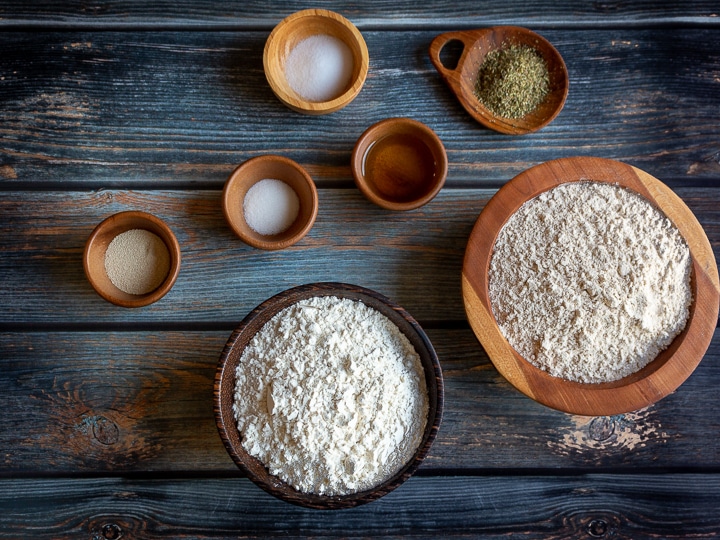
[[633, 507], [42, 235], [119, 402], [183, 108], [386, 13]]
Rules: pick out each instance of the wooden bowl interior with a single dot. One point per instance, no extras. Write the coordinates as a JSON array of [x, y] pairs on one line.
[[98, 242], [476, 46], [650, 384], [225, 387], [404, 127], [298, 27], [276, 167]]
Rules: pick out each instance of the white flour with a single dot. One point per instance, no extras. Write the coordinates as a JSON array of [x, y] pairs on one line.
[[331, 396], [589, 281]]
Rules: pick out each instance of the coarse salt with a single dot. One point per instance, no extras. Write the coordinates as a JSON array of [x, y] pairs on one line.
[[270, 206], [319, 67]]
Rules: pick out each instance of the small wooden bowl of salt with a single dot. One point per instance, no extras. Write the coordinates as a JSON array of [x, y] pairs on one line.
[[132, 259], [270, 202], [316, 61]]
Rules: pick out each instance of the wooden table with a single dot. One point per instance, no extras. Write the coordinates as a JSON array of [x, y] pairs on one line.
[[106, 424]]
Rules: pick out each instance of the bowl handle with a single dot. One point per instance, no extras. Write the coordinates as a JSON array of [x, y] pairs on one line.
[[436, 46]]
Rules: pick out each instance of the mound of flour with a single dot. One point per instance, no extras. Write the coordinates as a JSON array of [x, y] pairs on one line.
[[331, 396], [589, 281]]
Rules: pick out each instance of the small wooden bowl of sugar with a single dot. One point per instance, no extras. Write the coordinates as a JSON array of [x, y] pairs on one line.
[[316, 61], [270, 202], [132, 259]]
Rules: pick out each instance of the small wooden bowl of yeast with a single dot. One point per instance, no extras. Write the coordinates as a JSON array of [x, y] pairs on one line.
[[96, 248], [661, 376], [225, 390]]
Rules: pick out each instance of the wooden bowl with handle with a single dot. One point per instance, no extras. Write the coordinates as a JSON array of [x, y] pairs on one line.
[[662, 375], [293, 30], [476, 44], [225, 381]]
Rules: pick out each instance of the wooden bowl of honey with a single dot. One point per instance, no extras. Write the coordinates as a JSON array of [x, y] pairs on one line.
[[399, 164]]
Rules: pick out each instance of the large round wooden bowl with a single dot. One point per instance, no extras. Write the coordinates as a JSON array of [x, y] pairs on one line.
[[225, 388], [661, 376]]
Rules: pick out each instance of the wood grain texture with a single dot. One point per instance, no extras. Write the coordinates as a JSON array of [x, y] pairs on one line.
[[103, 109], [354, 241], [385, 13], [107, 428], [142, 402], [628, 507]]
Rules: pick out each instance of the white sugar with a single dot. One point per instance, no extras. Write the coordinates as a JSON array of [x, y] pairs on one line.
[[319, 68], [270, 206]]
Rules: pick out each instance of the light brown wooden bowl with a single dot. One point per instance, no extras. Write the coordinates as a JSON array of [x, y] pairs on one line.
[[294, 29], [661, 376], [98, 242], [476, 45], [415, 149], [225, 387], [280, 168]]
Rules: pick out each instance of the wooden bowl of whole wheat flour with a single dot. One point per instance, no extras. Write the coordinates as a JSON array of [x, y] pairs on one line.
[[328, 395], [563, 366]]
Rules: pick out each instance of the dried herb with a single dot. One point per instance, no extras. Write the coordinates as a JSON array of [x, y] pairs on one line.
[[512, 81]]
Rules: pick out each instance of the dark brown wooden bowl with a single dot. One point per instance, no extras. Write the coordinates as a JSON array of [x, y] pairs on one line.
[[476, 45], [661, 376], [225, 386], [98, 242]]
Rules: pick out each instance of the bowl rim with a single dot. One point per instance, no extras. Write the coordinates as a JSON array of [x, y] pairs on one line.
[[225, 383], [662, 375], [291, 99], [280, 241], [383, 128], [118, 297]]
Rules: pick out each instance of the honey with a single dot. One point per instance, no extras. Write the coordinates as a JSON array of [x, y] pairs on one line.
[[399, 167]]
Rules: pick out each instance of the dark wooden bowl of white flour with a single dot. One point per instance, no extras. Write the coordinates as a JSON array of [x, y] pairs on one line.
[[328, 395]]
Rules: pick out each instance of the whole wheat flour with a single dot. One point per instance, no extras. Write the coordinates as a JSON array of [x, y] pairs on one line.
[[331, 396], [589, 281]]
